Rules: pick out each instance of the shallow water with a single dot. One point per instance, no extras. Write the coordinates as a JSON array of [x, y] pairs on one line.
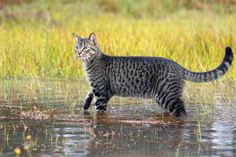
[[44, 118]]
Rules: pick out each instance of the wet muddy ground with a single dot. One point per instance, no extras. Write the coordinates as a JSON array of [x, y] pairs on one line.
[[45, 119]]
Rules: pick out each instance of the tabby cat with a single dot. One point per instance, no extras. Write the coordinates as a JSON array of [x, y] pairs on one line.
[[147, 77]]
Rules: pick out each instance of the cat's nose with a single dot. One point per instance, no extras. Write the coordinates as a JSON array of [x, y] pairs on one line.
[[80, 54]]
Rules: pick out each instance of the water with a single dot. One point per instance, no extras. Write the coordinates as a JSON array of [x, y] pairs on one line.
[[44, 118]]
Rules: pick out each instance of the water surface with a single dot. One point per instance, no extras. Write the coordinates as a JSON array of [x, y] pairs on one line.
[[44, 118]]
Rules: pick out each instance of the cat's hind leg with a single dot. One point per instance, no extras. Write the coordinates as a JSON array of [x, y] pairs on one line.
[[169, 98], [177, 108], [174, 105]]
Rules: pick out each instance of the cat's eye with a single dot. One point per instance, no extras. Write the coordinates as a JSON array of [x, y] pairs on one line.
[[82, 44], [76, 47]]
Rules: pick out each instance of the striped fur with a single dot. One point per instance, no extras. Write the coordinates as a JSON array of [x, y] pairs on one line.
[[147, 77], [213, 74]]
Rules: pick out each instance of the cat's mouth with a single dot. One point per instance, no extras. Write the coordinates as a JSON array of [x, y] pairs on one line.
[[82, 55], [85, 55]]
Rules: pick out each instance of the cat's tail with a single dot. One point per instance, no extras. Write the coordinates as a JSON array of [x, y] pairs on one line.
[[213, 74]]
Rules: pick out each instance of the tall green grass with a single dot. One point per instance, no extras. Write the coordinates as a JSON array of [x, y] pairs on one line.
[[36, 37]]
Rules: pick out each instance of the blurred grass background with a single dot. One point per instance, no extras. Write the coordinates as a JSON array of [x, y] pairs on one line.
[[36, 35]]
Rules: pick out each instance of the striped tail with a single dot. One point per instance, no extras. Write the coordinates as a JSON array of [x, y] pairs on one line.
[[213, 74]]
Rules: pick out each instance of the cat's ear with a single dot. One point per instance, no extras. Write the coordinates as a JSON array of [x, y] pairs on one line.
[[92, 38], [76, 37]]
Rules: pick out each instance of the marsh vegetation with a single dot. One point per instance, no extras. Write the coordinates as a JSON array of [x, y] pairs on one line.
[[42, 85], [36, 38]]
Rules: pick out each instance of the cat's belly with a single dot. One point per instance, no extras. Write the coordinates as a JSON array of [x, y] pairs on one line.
[[132, 88], [134, 95]]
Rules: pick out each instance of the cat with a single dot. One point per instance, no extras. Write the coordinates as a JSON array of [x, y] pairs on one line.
[[147, 77]]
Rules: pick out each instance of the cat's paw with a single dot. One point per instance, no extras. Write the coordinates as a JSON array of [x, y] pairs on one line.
[[101, 109], [183, 116], [180, 115], [86, 106]]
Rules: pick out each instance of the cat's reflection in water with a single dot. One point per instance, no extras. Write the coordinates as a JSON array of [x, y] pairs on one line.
[[117, 135]]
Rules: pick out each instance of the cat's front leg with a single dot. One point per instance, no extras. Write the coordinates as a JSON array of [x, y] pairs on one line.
[[88, 100], [101, 103]]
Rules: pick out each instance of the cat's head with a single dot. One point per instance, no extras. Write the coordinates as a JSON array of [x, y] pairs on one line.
[[86, 48]]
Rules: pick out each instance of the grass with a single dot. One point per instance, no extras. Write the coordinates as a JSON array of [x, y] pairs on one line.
[[36, 39], [36, 42]]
